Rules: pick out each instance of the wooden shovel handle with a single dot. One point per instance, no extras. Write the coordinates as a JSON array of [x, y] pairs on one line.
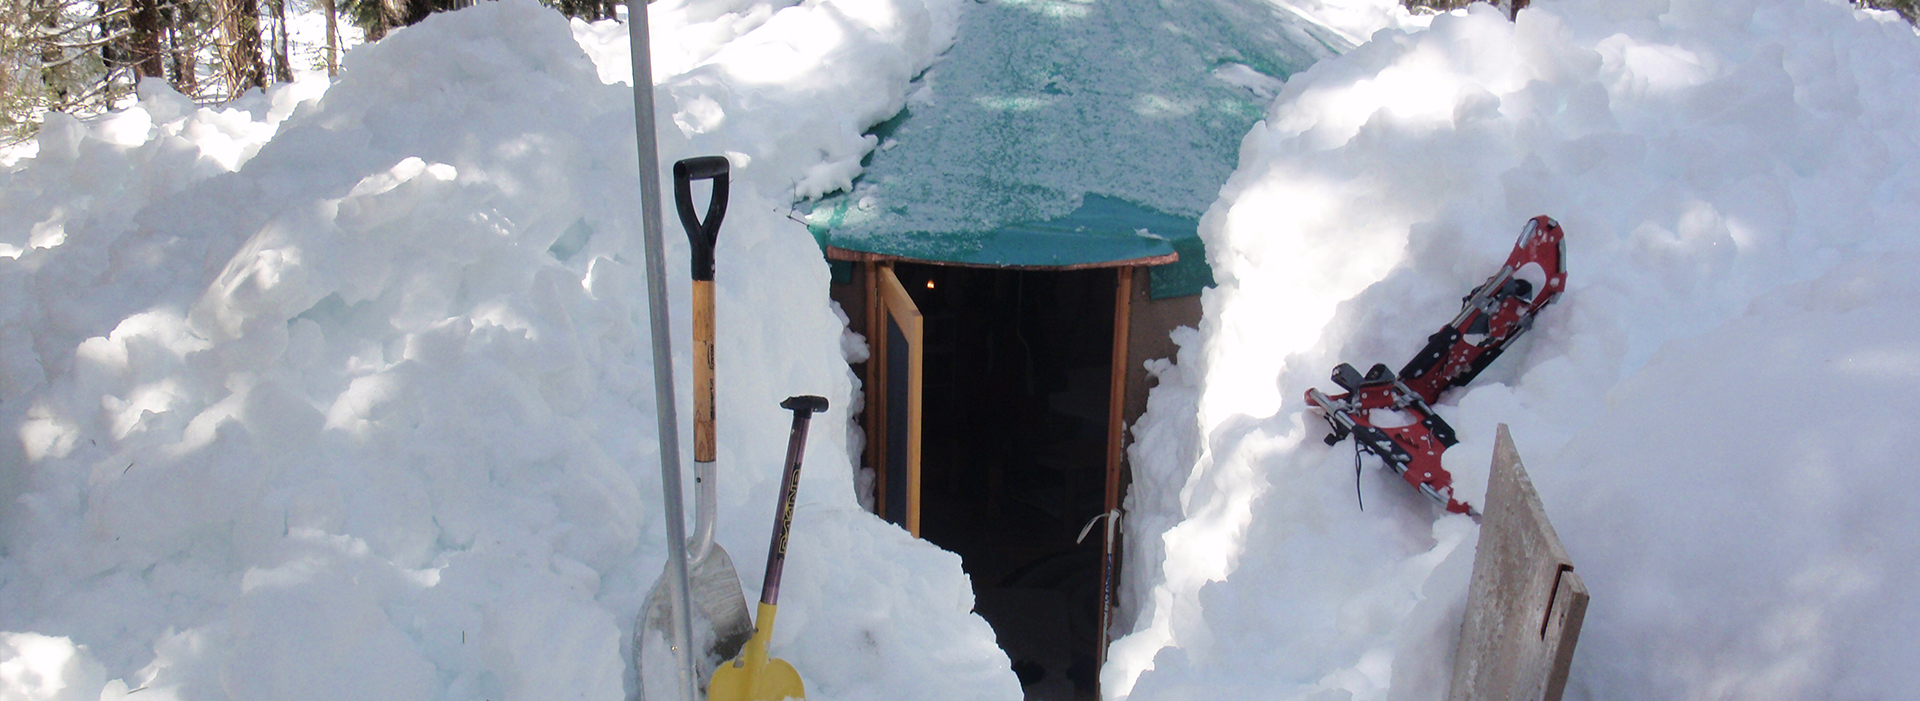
[[704, 445]]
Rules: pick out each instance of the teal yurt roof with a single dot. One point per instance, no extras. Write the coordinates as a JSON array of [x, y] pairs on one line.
[[1072, 133]]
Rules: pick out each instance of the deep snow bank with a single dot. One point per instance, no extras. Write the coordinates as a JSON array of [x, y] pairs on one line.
[[1716, 413], [1354, 20], [357, 404]]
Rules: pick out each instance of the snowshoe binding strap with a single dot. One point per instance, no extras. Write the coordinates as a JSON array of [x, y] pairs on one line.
[[1412, 450]]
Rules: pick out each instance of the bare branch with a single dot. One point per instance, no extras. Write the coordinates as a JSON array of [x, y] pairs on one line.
[[87, 24], [67, 60], [95, 43]]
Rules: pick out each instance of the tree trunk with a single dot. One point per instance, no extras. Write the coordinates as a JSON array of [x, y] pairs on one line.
[[378, 22], [146, 23], [245, 66], [393, 15], [333, 40], [111, 54], [282, 67], [180, 45], [49, 14]]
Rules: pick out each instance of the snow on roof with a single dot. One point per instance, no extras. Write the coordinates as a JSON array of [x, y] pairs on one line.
[[1053, 131]]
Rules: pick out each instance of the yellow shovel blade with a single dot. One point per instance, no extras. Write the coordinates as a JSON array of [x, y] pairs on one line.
[[773, 681], [755, 676]]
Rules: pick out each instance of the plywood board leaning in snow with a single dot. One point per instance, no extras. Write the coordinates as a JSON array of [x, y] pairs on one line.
[[1525, 605]]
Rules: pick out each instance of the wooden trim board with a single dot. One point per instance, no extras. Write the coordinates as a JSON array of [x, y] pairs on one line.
[[838, 253], [1525, 604], [1116, 444], [905, 315]]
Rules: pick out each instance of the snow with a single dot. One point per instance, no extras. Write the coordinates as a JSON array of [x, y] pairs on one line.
[[1040, 104], [1736, 184], [307, 38], [342, 390], [307, 60], [345, 394], [1354, 20]]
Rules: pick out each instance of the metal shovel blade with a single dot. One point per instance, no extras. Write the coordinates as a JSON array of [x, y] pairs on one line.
[[721, 624]]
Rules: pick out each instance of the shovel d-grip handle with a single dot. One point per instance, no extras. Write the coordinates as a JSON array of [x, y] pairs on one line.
[[803, 408], [703, 234]]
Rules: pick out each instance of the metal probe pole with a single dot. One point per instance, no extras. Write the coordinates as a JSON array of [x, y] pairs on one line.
[[663, 391]]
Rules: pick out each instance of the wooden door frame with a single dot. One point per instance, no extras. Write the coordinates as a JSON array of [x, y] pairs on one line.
[[1116, 446], [873, 270], [888, 300]]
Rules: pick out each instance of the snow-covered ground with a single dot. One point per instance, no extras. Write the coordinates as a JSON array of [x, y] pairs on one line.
[[343, 392]]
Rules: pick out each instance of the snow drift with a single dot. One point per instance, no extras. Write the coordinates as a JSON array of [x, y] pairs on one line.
[[347, 395], [1715, 413]]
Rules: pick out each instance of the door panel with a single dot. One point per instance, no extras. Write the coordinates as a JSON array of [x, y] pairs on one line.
[[901, 341]]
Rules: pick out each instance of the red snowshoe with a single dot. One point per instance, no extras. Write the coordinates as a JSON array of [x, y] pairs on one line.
[[1494, 314]]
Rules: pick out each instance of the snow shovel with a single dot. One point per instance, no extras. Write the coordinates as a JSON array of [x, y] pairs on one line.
[[712, 584], [753, 676]]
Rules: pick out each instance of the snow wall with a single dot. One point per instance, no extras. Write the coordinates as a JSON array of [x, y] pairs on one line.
[[348, 395], [1717, 414]]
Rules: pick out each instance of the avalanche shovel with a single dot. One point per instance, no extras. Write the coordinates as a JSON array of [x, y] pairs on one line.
[[712, 584], [754, 676]]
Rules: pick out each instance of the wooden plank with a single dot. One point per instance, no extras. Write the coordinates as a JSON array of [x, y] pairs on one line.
[[905, 315], [916, 335], [1568, 613], [705, 448], [876, 387], [1117, 381], [1525, 605], [838, 253], [1116, 444]]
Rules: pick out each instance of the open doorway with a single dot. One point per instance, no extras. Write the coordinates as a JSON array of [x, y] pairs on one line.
[[1017, 378]]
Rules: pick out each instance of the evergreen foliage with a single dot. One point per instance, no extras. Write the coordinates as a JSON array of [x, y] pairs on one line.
[[84, 57]]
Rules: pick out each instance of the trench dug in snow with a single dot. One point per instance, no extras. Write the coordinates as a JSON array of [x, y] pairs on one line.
[[345, 393]]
